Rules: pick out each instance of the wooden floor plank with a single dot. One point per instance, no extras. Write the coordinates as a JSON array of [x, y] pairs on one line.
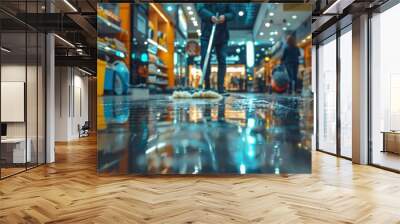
[[70, 191]]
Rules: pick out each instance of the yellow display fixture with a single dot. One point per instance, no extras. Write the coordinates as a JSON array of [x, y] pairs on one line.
[[164, 37]]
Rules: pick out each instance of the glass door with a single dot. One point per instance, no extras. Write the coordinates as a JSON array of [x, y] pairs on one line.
[[385, 89], [326, 99], [346, 92]]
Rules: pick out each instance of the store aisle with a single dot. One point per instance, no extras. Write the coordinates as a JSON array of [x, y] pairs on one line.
[[240, 134]]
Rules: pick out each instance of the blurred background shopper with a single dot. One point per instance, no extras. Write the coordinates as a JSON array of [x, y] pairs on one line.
[[290, 59]]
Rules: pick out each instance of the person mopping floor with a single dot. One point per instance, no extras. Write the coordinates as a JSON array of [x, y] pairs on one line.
[[217, 14], [215, 35]]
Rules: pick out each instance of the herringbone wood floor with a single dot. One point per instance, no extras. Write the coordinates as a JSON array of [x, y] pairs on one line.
[[70, 191]]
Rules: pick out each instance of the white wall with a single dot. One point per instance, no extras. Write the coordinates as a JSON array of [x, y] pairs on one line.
[[71, 102]]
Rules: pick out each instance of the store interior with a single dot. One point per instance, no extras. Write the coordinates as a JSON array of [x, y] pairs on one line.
[[146, 51], [159, 46]]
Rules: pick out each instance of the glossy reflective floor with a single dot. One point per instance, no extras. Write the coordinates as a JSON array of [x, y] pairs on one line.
[[240, 134]]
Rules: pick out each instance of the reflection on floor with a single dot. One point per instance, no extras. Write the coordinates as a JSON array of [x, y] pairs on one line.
[[386, 159], [242, 133], [5, 172]]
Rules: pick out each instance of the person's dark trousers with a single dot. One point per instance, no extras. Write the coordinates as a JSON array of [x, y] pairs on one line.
[[220, 50], [293, 69]]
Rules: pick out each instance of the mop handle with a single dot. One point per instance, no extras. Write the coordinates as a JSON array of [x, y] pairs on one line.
[[207, 58]]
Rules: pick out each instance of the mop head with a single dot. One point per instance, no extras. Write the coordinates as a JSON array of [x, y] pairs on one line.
[[197, 95]]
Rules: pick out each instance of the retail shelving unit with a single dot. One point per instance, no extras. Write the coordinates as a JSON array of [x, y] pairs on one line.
[[112, 41], [161, 47]]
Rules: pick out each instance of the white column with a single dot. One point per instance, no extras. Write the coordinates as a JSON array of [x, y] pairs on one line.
[[360, 90], [50, 98]]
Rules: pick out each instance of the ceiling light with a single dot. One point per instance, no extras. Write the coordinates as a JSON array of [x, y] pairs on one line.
[[241, 13], [5, 50], [284, 28], [271, 14], [196, 24], [193, 18], [288, 24], [294, 17], [190, 12], [70, 5], [84, 71], [263, 49], [276, 33], [65, 41], [271, 39], [169, 8], [198, 30], [271, 33], [261, 33], [267, 24], [189, 8], [238, 50], [159, 12], [157, 45]]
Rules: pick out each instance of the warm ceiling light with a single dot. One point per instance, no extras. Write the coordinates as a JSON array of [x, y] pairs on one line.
[[241, 13], [5, 50], [157, 45], [65, 41], [70, 5], [159, 12]]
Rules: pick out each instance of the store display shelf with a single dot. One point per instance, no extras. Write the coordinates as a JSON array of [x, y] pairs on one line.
[[159, 65], [107, 27], [103, 47], [158, 83], [163, 75]]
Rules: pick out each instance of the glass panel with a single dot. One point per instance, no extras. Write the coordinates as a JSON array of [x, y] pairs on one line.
[[41, 99], [346, 94], [31, 97], [385, 89], [13, 85], [327, 96]]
